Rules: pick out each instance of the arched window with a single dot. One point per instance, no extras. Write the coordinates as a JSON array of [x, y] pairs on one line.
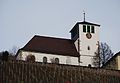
[[57, 60], [30, 58], [89, 65], [44, 59]]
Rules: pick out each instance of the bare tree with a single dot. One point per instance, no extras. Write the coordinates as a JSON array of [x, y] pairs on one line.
[[103, 54], [97, 57], [14, 50]]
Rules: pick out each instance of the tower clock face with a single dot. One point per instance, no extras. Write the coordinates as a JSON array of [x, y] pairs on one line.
[[88, 35]]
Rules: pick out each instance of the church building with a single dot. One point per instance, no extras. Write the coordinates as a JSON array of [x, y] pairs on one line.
[[79, 50], [86, 39]]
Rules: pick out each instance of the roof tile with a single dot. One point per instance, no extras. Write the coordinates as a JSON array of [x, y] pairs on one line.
[[51, 45]]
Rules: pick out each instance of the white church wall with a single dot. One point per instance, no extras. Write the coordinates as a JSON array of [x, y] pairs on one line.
[[86, 60], [39, 57], [86, 55], [76, 44], [85, 42]]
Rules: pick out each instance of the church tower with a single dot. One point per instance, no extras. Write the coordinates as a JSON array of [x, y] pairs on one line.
[[86, 39]]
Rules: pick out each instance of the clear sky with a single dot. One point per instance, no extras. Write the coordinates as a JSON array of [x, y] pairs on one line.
[[20, 20]]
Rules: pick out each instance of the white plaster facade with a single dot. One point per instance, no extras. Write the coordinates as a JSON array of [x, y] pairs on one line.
[[118, 62], [86, 55], [39, 57]]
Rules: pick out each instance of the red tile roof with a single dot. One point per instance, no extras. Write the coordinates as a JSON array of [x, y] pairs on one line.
[[51, 45]]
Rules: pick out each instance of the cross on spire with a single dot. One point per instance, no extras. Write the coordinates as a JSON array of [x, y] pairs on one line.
[[84, 15]]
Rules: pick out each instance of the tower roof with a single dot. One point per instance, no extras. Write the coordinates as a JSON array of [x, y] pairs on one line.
[[89, 23], [84, 22]]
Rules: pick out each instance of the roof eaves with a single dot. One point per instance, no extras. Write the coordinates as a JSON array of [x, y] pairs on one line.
[[84, 22], [77, 55], [74, 27]]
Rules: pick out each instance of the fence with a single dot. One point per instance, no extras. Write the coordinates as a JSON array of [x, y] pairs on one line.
[[24, 72]]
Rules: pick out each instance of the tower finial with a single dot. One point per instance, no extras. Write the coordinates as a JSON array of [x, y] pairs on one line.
[[84, 14]]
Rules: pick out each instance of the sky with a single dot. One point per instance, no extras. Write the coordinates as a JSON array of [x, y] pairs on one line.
[[20, 20]]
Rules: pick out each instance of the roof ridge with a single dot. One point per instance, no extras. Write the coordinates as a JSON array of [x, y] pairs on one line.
[[51, 37]]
